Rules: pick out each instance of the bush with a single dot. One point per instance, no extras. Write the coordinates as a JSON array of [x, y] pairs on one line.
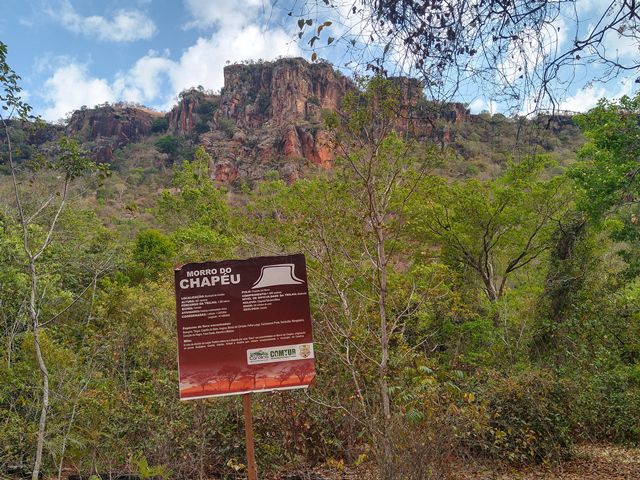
[[421, 450], [227, 125], [168, 144], [607, 406], [152, 253], [159, 125], [201, 127], [528, 417], [207, 108]]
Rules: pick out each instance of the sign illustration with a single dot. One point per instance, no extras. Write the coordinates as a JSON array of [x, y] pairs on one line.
[[243, 326]]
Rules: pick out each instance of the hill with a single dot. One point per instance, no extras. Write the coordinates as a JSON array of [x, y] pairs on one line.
[[267, 120]]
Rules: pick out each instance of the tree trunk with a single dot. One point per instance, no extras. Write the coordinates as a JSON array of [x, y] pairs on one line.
[[43, 371], [384, 352]]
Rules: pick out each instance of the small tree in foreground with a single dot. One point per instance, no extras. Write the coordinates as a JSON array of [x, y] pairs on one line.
[[37, 219], [350, 226]]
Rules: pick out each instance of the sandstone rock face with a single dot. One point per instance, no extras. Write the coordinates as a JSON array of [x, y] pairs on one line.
[[280, 92], [271, 111], [195, 107], [126, 124], [224, 172], [267, 119], [181, 117], [111, 127]]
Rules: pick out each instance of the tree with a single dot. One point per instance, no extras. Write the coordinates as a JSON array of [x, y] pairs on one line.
[[253, 372], [350, 225], [196, 213], [168, 144], [153, 251], [608, 174], [302, 370], [525, 53], [493, 228], [230, 373], [38, 222]]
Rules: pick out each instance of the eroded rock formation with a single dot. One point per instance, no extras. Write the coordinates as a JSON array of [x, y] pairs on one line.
[[111, 126], [267, 117]]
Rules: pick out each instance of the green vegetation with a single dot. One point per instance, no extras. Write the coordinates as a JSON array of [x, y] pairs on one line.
[[168, 144], [160, 125], [493, 317], [227, 125]]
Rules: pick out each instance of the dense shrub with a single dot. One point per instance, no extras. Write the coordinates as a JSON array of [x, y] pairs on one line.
[[207, 107], [227, 126], [160, 125], [607, 406], [528, 416], [201, 127], [168, 144]]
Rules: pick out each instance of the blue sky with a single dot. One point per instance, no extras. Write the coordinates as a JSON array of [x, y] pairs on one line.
[[71, 53], [85, 52]]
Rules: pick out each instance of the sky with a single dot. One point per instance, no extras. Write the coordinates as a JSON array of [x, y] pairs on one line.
[[71, 53]]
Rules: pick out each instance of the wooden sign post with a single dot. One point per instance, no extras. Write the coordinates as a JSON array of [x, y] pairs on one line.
[[252, 470]]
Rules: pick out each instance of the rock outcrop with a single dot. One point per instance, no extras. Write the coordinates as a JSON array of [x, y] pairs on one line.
[[111, 126], [194, 112], [279, 93], [267, 117]]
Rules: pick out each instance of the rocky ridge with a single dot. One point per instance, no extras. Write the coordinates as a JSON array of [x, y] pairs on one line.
[[267, 117]]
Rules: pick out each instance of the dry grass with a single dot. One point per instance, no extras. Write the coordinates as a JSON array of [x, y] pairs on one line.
[[590, 462]]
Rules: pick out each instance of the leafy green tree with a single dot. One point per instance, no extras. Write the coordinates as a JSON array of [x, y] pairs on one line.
[[168, 144], [350, 226], [608, 174], [196, 212], [159, 125], [494, 228], [153, 252], [38, 222]]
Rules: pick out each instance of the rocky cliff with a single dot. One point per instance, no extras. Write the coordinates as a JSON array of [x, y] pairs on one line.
[[109, 127], [280, 92], [267, 117]]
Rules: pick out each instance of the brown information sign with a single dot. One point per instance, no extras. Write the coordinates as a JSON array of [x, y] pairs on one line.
[[243, 326]]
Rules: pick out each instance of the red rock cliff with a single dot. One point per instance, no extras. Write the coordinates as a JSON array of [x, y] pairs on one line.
[[111, 127], [280, 92]]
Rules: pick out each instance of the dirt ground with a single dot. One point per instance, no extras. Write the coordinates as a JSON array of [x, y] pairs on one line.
[[590, 462]]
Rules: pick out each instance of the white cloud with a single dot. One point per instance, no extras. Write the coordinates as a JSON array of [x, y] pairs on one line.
[[144, 81], [480, 104], [583, 99], [70, 87], [620, 47], [202, 63], [125, 26], [155, 79], [587, 98], [225, 14]]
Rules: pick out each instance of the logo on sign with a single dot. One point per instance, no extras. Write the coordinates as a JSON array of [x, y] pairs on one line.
[[279, 354], [258, 356], [282, 274], [305, 351]]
